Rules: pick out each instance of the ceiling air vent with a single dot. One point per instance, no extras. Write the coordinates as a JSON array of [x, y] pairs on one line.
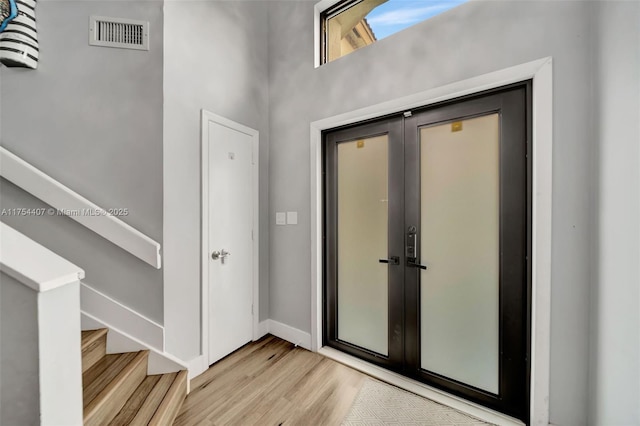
[[118, 32]]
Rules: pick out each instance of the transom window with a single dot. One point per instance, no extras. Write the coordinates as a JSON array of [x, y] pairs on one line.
[[352, 24]]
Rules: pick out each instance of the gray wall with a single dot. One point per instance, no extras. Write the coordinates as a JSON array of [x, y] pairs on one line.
[[19, 383], [476, 38], [91, 118], [216, 59], [614, 370]]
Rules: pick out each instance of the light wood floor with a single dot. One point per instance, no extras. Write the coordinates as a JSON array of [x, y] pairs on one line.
[[269, 382]]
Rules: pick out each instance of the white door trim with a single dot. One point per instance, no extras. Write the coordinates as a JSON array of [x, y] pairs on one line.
[[540, 71], [207, 116]]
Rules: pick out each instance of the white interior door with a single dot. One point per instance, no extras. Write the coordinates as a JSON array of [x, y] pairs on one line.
[[230, 259]]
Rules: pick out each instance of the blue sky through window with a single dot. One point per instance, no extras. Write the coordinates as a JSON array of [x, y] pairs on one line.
[[396, 15]]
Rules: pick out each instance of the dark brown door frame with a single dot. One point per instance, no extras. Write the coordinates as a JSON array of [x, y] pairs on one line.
[[515, 246], [392, 127], [513, 103]]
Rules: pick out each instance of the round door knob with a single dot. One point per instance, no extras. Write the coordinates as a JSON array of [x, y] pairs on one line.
[[215, 255]]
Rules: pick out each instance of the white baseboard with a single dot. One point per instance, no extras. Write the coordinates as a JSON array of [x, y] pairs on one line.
[[290, 334], [263, 330], [119, 342], [117, 316], [197, 366]]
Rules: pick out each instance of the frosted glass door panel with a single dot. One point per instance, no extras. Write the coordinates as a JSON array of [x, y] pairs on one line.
[[362, 240], [459, 312]]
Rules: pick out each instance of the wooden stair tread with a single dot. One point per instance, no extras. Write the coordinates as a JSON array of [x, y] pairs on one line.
[[100, 375], [91, 336], [172, 401], [116, 390], [94, 347], [154, 399], [108, 393], [135, 402], [91, 374]]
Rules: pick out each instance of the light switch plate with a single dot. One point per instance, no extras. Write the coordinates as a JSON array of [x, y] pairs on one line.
[[281, 219], [292, 218]]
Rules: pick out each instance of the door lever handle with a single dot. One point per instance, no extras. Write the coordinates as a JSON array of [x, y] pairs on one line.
[[222, 255], [392, 260], [412, 262]]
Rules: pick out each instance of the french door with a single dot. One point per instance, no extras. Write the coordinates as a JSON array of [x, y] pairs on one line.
[[427, 231]]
